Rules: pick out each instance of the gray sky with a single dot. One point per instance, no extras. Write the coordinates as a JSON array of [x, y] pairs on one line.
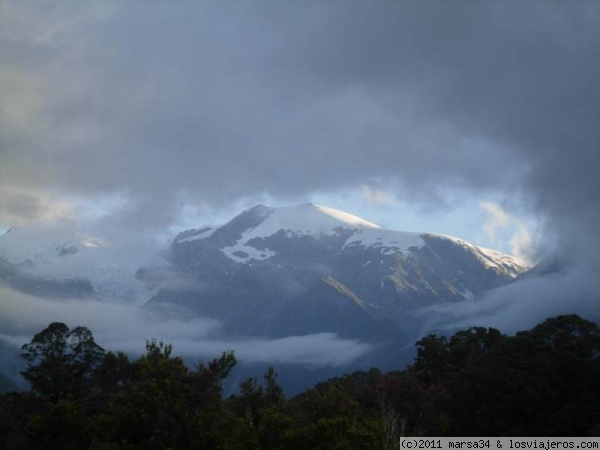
[[147, 108], [207, 102]]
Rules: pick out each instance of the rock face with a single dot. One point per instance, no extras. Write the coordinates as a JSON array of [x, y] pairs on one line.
[[298, 270]]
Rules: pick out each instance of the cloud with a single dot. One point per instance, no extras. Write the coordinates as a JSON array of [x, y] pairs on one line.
[[521, 242], [21, 100], [19, 207], [316, 350], [127, 327], [523, 304], [495, 217], [216, 102], [377, 196]]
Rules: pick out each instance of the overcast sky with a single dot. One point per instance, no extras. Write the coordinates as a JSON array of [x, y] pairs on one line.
[[160, 111]]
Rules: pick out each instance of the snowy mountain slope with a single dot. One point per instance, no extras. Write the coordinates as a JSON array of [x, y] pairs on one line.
[[309, 268], [285, 251], [55, 261], [317, 221], [260, 223]]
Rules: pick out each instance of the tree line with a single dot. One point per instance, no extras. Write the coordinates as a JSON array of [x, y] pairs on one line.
[[477, 382]]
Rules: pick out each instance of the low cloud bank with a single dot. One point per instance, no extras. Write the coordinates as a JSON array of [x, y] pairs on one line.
[[125, 327], [524, 303]]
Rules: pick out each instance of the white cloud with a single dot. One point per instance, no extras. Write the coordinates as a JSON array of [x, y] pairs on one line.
[[377, 196], [319, 349], [521, 242], [523, 304], [495, 218], [127, 327]]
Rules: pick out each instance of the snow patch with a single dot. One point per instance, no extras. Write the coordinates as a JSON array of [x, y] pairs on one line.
[[493, 259], [345, 217], [315, 220], [389, 241], [306, 219], [251, 252], [303, 220], [204, 232]]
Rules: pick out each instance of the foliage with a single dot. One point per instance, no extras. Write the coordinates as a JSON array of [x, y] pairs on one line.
[[544, 381], [539, 382], [60, 362], [6, 384]]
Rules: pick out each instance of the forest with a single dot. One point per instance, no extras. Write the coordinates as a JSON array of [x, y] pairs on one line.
[[478, 382]]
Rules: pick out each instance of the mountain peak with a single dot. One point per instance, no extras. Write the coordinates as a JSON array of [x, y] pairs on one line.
[[306, 217], [308, 268], [347, 218]]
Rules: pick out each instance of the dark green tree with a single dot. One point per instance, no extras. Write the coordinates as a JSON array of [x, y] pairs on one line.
[[61, 362], [544, 381], [340, 413], [262, 421], [433, 356], [158, 402], [60, 367]]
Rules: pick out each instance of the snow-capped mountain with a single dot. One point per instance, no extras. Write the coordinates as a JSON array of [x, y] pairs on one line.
[[319, 221], [62, 262], [268, 271], [306, 269], [270, 275]]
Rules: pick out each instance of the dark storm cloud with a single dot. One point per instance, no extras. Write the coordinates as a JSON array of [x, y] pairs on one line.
[[216, 100], [521, 77]]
